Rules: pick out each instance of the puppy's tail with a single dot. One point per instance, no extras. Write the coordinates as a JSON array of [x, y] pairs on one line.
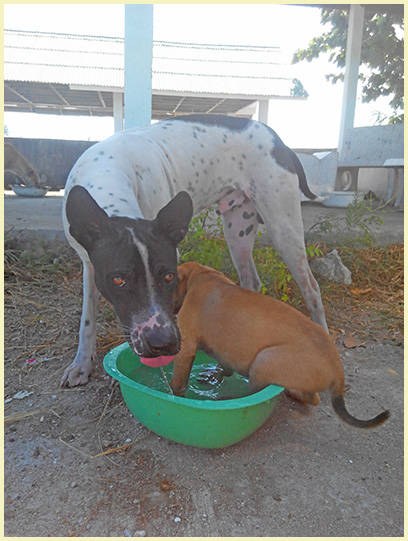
[[337, 400]]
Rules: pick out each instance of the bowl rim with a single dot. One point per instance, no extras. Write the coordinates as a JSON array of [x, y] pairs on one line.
[[110, 366]]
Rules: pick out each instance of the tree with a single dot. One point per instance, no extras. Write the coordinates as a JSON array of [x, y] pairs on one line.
[[382, 52]]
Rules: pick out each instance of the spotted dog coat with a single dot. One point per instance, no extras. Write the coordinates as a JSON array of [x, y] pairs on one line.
[[117, 216]]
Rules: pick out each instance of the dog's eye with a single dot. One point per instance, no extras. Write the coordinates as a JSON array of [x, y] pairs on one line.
[[169, 277], [118, 281]]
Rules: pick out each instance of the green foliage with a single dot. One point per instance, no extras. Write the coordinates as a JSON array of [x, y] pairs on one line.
[[298, 89], [360, 217], [204, 243], [382, 52]]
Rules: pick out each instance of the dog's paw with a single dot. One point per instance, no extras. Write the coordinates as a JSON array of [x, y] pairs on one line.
[[76, 374], [303, 396]]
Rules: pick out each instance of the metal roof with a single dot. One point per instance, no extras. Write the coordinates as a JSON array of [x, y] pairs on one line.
[[76, 74]]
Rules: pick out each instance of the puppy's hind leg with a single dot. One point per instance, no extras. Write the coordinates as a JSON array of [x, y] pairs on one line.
[[78, 371], [276, 365]]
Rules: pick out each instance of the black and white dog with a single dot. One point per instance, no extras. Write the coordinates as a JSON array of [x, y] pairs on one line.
[[129, 200]]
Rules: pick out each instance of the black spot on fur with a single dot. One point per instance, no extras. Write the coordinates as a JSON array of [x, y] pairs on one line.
[[110, 193], [260, 147], [99, 187], [96, 159], [259, 218], [249, 229], [241, 233], [110, 158], [101, 152], [246, 215], [87, 322], [124, 200], [229, 224], [230, 203]]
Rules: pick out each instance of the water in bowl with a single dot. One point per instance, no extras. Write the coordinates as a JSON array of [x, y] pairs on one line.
[[234, 386]]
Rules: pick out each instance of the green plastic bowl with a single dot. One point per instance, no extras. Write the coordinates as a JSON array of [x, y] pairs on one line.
[[195, 421]]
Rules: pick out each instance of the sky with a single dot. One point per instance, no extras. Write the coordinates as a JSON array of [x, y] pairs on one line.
[[311, 123]]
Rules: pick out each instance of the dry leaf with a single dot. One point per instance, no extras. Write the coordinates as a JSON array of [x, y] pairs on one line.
[[358, 291], [351, 342], [393, 372]]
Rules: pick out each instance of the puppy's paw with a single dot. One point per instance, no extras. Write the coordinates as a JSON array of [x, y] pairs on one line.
[[303, 396]]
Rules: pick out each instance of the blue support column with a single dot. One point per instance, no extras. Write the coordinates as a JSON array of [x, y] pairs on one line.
[[138, 64]]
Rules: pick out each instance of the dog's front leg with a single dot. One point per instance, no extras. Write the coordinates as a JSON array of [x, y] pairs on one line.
[[78, 371]]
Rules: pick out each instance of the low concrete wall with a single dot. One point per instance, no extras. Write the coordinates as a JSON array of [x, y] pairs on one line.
[[53, 158]]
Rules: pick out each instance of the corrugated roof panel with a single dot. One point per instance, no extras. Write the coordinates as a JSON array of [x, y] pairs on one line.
[[178, 67]]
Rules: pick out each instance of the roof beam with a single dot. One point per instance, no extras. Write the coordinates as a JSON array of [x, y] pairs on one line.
[[216, 105], [18, 94], [59, 95], [178, 105], [101, 99]]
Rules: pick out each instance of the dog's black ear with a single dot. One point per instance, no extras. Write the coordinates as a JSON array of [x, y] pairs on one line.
[[86, 218], [173, 219]]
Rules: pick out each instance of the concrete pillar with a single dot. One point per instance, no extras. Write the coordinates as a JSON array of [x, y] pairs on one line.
[[118, 111], [138, 64], [353, 54], [263, 111]]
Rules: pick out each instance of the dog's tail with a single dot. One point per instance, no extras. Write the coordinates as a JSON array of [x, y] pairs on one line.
[[337, 400], [303, 185]]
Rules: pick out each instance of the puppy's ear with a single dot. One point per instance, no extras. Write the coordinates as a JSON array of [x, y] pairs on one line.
[[87, 220], [181, 290], [173, 219]]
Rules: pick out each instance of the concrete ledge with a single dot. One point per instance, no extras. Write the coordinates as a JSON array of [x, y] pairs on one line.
[[31, 218]]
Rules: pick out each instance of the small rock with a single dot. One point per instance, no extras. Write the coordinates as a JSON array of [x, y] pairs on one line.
[[128, 440], [73, 484], [36, 452], [331, 267], [177, 519], [139, 533]]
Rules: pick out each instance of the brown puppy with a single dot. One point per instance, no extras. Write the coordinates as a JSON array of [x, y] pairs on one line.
[[258, 337]]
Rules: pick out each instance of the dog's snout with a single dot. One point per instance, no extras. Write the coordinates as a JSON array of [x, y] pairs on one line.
[[154, 340], [161, 341]]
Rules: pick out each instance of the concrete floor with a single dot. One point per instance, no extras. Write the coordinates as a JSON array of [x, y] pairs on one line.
[[42, 216]]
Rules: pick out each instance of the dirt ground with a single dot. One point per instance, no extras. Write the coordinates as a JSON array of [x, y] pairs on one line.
[[303, 473]]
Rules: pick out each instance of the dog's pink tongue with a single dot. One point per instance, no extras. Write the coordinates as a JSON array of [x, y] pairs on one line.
[[157, 361]]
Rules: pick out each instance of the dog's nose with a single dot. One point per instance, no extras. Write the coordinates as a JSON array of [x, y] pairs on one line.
[[161, 341]]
